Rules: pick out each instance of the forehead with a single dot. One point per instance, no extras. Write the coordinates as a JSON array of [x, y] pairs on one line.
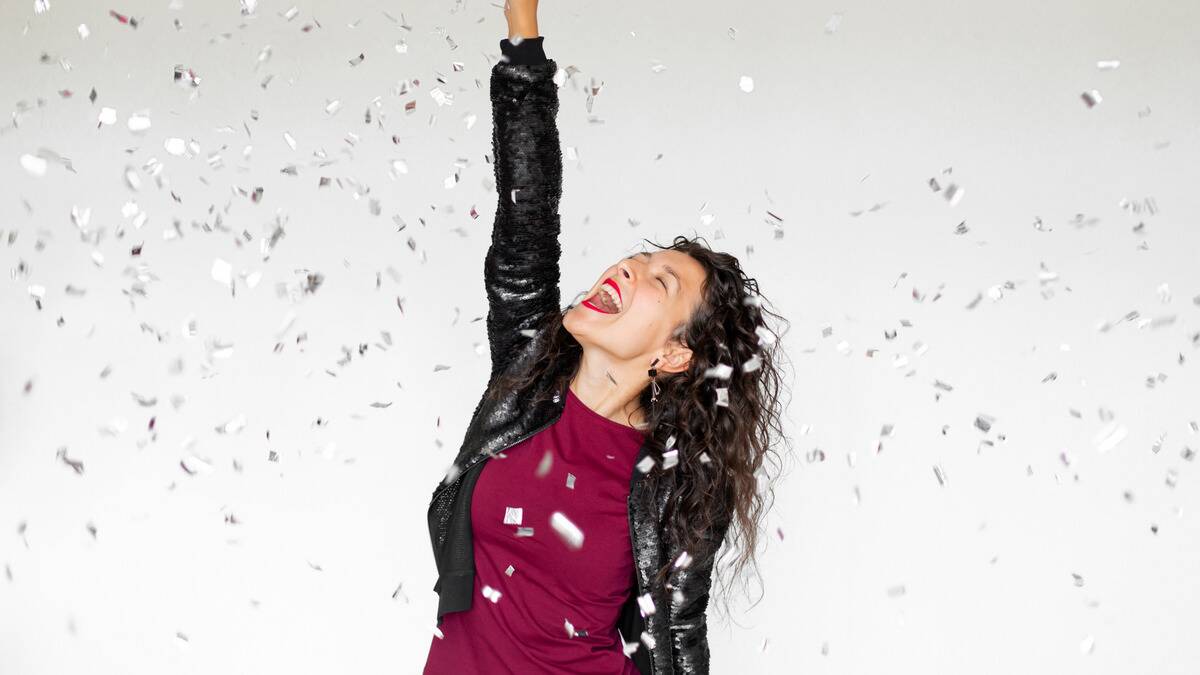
[[691, 273]]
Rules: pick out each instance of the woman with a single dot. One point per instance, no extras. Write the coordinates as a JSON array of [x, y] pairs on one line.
[[616, 441]]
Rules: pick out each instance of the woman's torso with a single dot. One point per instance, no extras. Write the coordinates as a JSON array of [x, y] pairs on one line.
[[532, 587]]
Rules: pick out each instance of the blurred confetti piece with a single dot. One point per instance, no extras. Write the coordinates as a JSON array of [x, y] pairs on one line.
[[941, 476], [175, 146], [491, 594], [670, 458], [1108, 65], [544, 465], [719, 371], [832, 24], [746, 83], [83, 31], [75, 465], [1091, 98], [232, 426], [222, 271], [107, 116], [953, 194], [41, 6], [186, 75], [1108, 437], [646, 604], [646, 464], [1087, 645], [138, 122], [193, 464], [123, 19], [36, 166], [567, 531]]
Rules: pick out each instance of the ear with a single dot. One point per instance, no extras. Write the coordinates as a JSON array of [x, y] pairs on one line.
[[678, 358]]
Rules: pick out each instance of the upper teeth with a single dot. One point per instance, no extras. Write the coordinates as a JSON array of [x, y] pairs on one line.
[[612, 295]]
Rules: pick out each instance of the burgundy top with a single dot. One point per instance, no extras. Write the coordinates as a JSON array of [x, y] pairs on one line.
[[518, 618]]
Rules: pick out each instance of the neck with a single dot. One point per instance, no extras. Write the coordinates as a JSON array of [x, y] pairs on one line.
[[613, 397]]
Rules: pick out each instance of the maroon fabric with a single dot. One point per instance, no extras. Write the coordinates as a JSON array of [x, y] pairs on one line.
[[524, 630]]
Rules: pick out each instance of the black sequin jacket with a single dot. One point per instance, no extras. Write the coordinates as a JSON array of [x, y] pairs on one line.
[[521, 277]]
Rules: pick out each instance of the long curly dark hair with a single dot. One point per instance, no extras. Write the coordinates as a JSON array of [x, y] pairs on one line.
[[722, 448]]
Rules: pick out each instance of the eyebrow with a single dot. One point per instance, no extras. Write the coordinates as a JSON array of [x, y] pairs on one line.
[[667, 267]]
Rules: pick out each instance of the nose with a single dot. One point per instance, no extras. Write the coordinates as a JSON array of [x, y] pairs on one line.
[[623, 269]]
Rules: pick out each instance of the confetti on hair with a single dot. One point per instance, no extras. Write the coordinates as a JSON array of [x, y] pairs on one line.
[[670, 459], [720, 371]]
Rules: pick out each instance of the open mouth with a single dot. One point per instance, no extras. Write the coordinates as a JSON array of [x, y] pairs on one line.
[[607, 300]]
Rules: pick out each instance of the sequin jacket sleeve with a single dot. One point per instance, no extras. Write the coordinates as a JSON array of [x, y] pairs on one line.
[[688, 606], [521, 269]]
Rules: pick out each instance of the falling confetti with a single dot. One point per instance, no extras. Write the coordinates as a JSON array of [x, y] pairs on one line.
[[512, 515], [36, 166], [646, 604], [568, 532]]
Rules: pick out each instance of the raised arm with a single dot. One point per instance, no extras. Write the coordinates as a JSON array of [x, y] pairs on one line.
[[521, 269]]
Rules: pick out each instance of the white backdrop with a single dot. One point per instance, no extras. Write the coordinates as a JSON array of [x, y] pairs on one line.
[[257, 446]]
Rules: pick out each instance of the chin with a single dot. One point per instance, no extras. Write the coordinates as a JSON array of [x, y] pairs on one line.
[[575, 322]]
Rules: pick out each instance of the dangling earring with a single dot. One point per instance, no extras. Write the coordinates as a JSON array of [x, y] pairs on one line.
[[654, 389]]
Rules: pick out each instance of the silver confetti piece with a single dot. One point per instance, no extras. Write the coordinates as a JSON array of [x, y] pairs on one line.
[[719, 371], [670, 458], [646, 604], [646, 464], [512, 515]]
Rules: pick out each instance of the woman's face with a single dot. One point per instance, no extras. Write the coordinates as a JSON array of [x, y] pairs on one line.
[[651, 295]]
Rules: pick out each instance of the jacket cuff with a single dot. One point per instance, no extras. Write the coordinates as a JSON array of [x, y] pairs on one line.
[[528, 52]]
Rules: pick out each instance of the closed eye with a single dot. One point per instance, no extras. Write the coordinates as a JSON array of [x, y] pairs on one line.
[[660, 279]]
